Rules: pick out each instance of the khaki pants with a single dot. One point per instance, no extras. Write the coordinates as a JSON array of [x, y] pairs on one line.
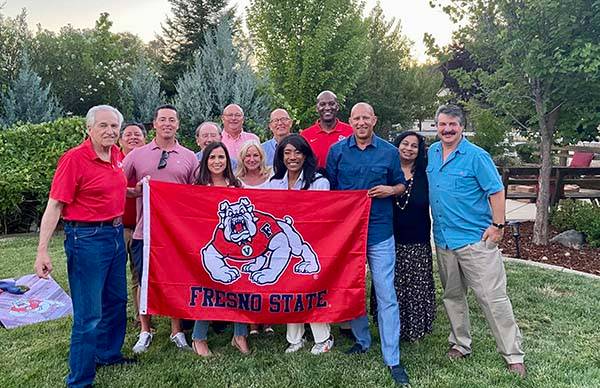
[[478, 266], [295, 331], [127, 236]]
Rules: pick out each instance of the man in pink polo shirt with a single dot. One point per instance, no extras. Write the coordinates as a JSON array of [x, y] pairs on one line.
[[165, 160], [233, 132], [328, 130]]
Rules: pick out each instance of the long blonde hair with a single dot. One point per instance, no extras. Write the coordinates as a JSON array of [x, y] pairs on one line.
[[241, 169]]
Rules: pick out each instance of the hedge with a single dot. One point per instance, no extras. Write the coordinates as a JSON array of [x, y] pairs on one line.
[[28, 157]]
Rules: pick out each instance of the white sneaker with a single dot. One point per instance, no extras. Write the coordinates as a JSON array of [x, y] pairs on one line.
[[295, 347], [179, 341], [322, 347], [143, 342]]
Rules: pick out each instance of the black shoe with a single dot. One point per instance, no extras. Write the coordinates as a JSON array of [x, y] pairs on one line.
[[123, 361], [399, 375], [356, 349]]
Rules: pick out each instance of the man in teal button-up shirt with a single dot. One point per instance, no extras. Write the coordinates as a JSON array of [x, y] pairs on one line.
[[467, 206]]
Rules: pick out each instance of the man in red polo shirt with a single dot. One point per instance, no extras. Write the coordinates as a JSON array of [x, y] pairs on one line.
[[88, 190], [328, 130]]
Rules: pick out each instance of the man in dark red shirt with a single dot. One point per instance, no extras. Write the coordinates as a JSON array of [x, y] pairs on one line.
[[328, 130], [88, 190]]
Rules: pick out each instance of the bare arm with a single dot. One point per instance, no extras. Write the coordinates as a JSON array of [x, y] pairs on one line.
[[383, 191], [43, 264], [497, 203]]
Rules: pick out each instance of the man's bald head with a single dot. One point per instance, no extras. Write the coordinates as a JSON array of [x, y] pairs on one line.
[[363, 105], [326, 93], [327, 107]]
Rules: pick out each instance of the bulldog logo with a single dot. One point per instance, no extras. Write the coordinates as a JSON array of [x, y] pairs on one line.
[[267, 243]]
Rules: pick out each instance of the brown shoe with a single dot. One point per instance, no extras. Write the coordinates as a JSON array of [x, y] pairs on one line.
[[518, 368], [200, 347], [240, 343], [455, 354]]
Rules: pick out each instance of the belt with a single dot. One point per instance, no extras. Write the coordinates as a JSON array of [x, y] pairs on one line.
[[96, 224]]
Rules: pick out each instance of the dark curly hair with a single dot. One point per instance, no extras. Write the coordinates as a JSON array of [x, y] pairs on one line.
[[309, 168], [202, 172], [421, 161]]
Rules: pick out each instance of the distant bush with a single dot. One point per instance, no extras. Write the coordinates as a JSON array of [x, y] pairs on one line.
[[28, 156], [582, 216]]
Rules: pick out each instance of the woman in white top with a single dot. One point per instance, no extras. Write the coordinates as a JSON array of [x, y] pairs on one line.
[[252, 169], [295, 167]]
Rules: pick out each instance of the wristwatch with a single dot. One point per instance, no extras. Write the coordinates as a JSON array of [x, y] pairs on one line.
[[499, 226]]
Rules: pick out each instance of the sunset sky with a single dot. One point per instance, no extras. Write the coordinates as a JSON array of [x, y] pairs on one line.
[[143, 17]]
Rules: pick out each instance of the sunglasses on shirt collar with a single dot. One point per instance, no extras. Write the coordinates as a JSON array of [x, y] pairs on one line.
[[162, 163]]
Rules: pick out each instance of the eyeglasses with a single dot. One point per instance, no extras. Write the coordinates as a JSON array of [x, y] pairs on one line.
[[279, 120], [232, 115], [162, 163]]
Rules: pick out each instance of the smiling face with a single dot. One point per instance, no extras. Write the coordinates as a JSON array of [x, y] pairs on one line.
[[252, 159], [105, 130], [327, 107], [131, 137], [293, 159], [233, 119], [280, 124], [166, 124], [209, 133], [363, 120], [409, 148], [217, 161], [449, 129]]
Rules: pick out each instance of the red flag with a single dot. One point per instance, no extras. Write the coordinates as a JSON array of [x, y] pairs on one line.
[[260, 256]]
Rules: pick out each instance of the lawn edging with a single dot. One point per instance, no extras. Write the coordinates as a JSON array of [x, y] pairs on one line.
[[550, 266]]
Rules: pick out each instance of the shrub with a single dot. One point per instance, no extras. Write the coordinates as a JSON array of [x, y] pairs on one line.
[[527, 152], [581, 216], [28, 157]]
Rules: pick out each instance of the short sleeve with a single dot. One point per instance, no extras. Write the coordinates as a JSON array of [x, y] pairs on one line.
[[321, 183], [65, 182], [487, 174], [128, 166], [192, 173]]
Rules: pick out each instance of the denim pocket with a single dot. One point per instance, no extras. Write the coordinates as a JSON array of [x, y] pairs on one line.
[[85, 232]]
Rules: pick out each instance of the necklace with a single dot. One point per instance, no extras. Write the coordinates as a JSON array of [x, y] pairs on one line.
[[405, 195]]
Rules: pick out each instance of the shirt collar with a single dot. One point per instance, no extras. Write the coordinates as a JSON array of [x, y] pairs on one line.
[[228, 136], [299, 182], [154, 146], [335, 128], [91, 153], [352, 141]]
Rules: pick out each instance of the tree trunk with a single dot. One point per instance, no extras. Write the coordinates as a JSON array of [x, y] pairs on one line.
[[547, 124]]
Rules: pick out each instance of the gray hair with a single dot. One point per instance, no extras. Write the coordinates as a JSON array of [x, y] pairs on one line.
[[199, 128], [90, 117], [451, 110]]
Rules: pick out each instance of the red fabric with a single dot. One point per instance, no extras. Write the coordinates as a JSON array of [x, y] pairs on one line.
[[184, 223], [90, 188], [581, 159], [320, 141]]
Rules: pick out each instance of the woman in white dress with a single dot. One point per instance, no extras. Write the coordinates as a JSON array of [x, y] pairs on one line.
[[295, 168]]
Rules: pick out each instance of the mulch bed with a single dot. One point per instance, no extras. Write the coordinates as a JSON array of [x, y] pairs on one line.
[[586, 259]]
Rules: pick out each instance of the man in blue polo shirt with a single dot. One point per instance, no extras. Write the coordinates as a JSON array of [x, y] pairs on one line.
[[467, 205], [364, 161]]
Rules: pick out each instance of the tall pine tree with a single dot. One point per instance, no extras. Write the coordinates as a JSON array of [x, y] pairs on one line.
[[183, 34]]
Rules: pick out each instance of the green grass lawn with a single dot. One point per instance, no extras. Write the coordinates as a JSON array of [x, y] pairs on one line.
[[559, 315]]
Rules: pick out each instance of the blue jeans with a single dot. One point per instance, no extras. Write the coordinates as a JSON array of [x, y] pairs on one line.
[[201, 330], [96, 269], [382, 259]]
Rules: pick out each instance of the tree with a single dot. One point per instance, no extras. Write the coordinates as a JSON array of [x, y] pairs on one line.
[[185, 32], [422, 86], [220, 75], [14, 38], [306, 46], [86, 66], [27, 100], [544, 68], [140, 94], [383, 84]]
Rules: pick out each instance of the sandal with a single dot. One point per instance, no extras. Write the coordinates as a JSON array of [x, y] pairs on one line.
[[195, 349]]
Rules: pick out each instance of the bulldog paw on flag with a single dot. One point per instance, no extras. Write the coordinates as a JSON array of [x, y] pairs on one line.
[[248, 255]]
